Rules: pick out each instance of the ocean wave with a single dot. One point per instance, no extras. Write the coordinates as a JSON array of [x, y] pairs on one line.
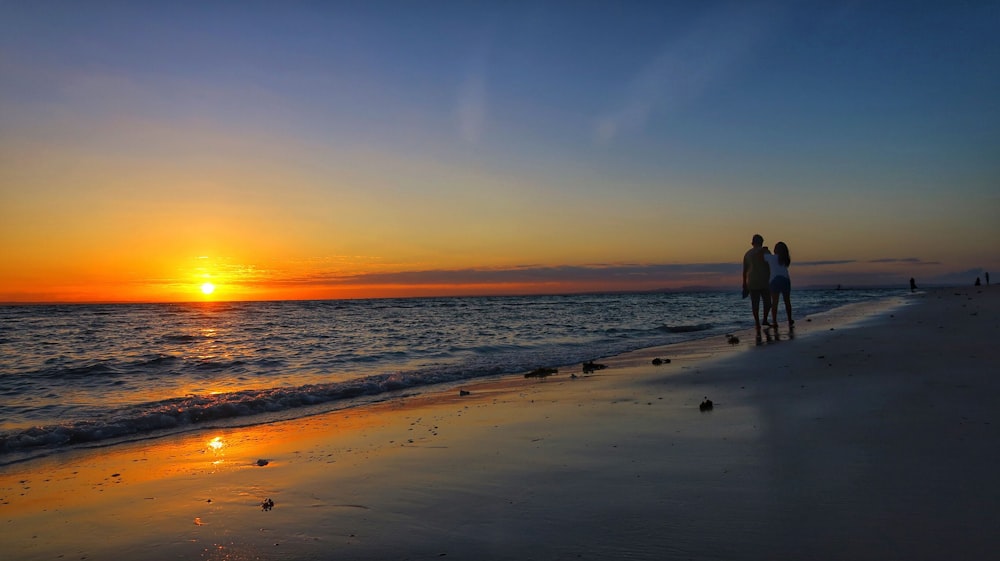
[[100, 388], [195, 409], [110, 368], [92, 370], [159, 361], [182, 338], [687, 328], [216, 365]]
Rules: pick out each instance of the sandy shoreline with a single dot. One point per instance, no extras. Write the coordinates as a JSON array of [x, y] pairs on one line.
[[866, 436]]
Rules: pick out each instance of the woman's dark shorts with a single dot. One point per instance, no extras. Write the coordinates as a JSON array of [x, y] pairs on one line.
[[781, 285]]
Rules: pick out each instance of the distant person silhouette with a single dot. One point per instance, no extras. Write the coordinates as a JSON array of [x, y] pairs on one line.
[[756, 276], [977, 282], [987, 279], [913, 284], [780, 283]]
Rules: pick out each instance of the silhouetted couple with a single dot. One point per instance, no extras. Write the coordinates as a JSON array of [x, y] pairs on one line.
[[765, 279]]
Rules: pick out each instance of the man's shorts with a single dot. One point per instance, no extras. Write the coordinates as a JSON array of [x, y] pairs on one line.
[[781, 285], [756, 294]]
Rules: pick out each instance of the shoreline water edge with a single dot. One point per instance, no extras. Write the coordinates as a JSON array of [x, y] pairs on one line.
[[867, 432], [88, 375]]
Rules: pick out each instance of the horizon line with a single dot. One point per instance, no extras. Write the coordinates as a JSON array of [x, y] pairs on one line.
[[684, 289]]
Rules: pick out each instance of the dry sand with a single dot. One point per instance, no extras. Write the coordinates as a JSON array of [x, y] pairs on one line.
[[870, 434]]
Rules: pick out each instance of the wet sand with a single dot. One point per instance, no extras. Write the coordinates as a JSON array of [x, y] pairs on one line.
[[867, 435]]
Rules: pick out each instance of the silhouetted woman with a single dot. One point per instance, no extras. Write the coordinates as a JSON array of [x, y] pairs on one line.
[[781, 281]]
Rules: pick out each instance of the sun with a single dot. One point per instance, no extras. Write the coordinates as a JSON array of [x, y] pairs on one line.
[[207, 288]]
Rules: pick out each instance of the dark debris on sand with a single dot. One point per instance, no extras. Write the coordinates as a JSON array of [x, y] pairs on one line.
[[541, 373]]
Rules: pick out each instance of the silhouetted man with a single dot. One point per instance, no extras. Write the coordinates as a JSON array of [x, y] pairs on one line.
[[756, 275]]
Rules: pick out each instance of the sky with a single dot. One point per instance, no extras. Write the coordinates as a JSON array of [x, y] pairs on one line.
[[313, 150]]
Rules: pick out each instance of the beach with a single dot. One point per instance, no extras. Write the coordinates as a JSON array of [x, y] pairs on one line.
[[866, 433]]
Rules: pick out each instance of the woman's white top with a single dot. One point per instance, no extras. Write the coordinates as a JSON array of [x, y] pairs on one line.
[[777, 269]]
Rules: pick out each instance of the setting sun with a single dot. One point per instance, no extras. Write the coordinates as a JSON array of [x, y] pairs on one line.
[[207, 288]]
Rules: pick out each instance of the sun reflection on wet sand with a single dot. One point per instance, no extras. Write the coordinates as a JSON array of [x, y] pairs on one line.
[[216, 445], [203, 486]]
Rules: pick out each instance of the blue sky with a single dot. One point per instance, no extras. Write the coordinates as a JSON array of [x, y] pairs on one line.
[[424, 140]]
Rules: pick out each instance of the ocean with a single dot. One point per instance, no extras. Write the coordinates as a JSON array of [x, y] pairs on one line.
[[83, 375]]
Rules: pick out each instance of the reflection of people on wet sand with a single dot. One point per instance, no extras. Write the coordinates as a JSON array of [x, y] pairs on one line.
[[755, 279], [913, 284], [781, 282]]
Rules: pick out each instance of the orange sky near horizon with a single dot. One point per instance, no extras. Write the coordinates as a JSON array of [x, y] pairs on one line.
[[337, 151], [124, 234]]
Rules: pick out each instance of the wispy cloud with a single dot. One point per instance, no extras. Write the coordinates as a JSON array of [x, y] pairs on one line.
[[334, 277], [530, 274], [471, 107], [884, 261], [338, 273], [906, 260], [824, 263], [682, 71]]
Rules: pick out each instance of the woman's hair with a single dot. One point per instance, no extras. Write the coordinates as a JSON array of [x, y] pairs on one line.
[[781, 250]]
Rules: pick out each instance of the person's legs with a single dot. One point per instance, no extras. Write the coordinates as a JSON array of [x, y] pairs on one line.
[[755, 305], [767, 304], [774, 308], [788, 307]]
